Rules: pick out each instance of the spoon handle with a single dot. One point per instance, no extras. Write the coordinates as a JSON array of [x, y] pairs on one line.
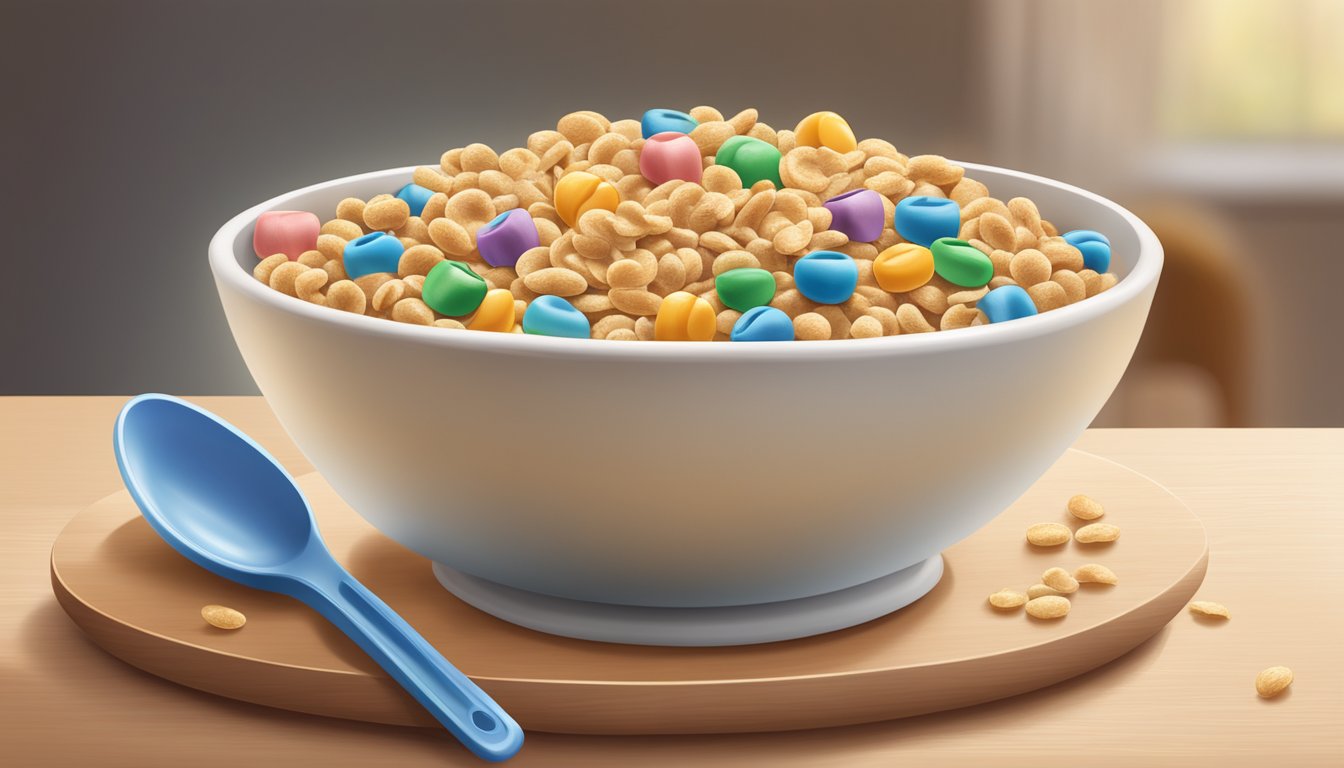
[[450, 696]]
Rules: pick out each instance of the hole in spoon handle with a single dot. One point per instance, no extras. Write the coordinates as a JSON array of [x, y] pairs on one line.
[[448, 694]]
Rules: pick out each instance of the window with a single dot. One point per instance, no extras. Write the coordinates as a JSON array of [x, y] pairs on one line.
[[1252, 70]]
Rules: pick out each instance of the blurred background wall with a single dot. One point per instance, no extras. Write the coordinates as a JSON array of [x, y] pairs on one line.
[[134, 129]]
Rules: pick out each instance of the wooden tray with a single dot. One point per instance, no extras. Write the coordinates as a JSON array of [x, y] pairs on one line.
[[140, 601]]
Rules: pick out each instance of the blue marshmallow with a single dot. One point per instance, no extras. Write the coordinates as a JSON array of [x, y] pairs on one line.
[[763, 324], [553, 316], [375, 252], [415, 196], [1007, 302], [662, 120], [826, 277], [922, 219]]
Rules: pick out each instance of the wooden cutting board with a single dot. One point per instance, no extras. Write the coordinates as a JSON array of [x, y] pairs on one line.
[[141, 601]]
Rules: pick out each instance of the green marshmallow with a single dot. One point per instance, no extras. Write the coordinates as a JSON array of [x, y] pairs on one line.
[[745, 288], [451, 288], [960, 263], [752, 159]]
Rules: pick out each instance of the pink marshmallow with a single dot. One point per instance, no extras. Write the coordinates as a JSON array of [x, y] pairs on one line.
[[670, 155], [287, 232]]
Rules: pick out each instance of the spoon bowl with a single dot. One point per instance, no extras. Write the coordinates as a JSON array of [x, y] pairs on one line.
[[240, 509], [226, 504]]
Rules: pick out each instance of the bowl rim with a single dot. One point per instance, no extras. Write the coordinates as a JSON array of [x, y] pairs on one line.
[[1147, 267]]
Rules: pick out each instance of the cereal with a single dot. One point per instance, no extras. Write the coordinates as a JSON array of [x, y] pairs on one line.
[[1048, 607], [1007, 599], [615, 217], [1039, 590], [1048, 534], [223, 617], [1208, 608], [1060, 580], [386, 214], [1094, 573], [1273, 681], [811, 326], [1096, 533], [1085, 507]]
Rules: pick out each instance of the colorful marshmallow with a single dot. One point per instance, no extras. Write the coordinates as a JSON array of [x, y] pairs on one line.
[[1095, 247], [751, 159], [921, 219], [857, 213], [372, 253], [1007, 302], [826, 277], [903, 267], [826, 129], [287, 232], [452, 288], [745, 288], [580, 192], [506, 237], [763, 324], [667, 156], [960, 263], [684, 316], [415, 197], [656, 121], [553, 316]]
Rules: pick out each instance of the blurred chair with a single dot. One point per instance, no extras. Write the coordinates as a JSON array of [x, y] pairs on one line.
[[1191, 366]]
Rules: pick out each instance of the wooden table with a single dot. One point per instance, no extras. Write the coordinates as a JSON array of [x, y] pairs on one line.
[[1272, 500]]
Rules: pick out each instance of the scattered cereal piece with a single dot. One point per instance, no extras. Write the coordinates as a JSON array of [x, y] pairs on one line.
[[1060, 580], [1040, 590], [1048, 534], [1085, 507], [1208, 608], [223, 617], [1093, 573], [1097, 533], [1048, 607], [1007, 598], [1273, 681]]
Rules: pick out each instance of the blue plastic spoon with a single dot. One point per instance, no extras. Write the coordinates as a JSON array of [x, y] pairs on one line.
[[228, 506]]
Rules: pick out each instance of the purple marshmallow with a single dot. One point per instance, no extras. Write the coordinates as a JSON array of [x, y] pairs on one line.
[[858, 214], [507, 237]]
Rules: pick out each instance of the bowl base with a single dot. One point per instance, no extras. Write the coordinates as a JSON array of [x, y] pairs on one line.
[[724, 625]]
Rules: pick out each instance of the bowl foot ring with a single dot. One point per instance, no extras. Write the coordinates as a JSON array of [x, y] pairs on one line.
[[716, 626]]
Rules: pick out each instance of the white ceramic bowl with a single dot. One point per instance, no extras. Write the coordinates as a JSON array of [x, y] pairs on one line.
[[684, 473]]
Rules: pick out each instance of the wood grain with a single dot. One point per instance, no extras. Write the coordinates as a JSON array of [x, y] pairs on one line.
[[1270, 501], [141, 600]]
